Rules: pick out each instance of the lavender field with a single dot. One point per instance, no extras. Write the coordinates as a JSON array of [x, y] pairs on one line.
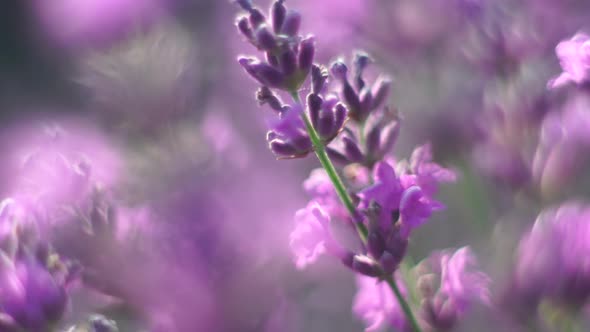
[[294, 165]]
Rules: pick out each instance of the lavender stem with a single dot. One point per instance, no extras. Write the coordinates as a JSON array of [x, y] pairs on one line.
[[324, 159], [404, 304]]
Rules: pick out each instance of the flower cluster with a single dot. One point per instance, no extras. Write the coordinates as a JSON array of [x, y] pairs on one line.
[[383, 199], [446, 287], [556, 246], [574, 57], [33, 278]]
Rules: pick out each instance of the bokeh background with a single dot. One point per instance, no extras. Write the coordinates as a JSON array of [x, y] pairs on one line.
[[150, 92]]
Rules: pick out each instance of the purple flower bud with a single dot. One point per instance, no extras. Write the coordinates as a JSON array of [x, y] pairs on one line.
[[245, 4], [278, 14], [366, 266], [375, 244], [330, 101], [340, 113], [380, 91], [314, 105], [265, 96], [325, 124], [373, 140], [352, 150], [306, 54], [288, 62], [339, 70], [389, 136], [263, 73], [389, 263], [353, 102], [272, 59], [292, 23], [360, 62], [337, 156], [265, 39], [302, 143], [282, 149], [257, 18], [366, 101], [290, 140], [244, 27], [319, 76]]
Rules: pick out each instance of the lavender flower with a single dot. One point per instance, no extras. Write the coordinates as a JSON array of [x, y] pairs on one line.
[[425, 173], [289, 56], [407, 205], [377, 307], [33, 283], [312, 236], [574, 57], [379, 136], [319, 186], [557, 246], [288, 136], [360, 98], [450, 286]]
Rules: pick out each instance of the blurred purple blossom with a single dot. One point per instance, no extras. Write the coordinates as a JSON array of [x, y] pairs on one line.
[[556, 246], [574, 57], [450, 286], [376, 305]]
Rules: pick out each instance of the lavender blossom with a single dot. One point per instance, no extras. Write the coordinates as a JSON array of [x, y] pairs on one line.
[[288, 136], [377, 307], [379, 136], [33, 279], [360, 98], [409, 206], [425, 173], [450, 286], [574, 57], [556, 246], [289, 56], [311, 236]]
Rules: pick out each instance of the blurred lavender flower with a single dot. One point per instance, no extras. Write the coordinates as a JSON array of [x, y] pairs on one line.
[[146, 83], [33, 279], [311, 234], [449, 286], [95, 23], [95, 323], [564, 138], [556, 246], [574, 57], [377, 307], [33, 296], [425, 173], [55, 167]]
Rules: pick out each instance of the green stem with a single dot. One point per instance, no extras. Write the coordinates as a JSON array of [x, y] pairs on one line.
[[324, 159], [404, 304]]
